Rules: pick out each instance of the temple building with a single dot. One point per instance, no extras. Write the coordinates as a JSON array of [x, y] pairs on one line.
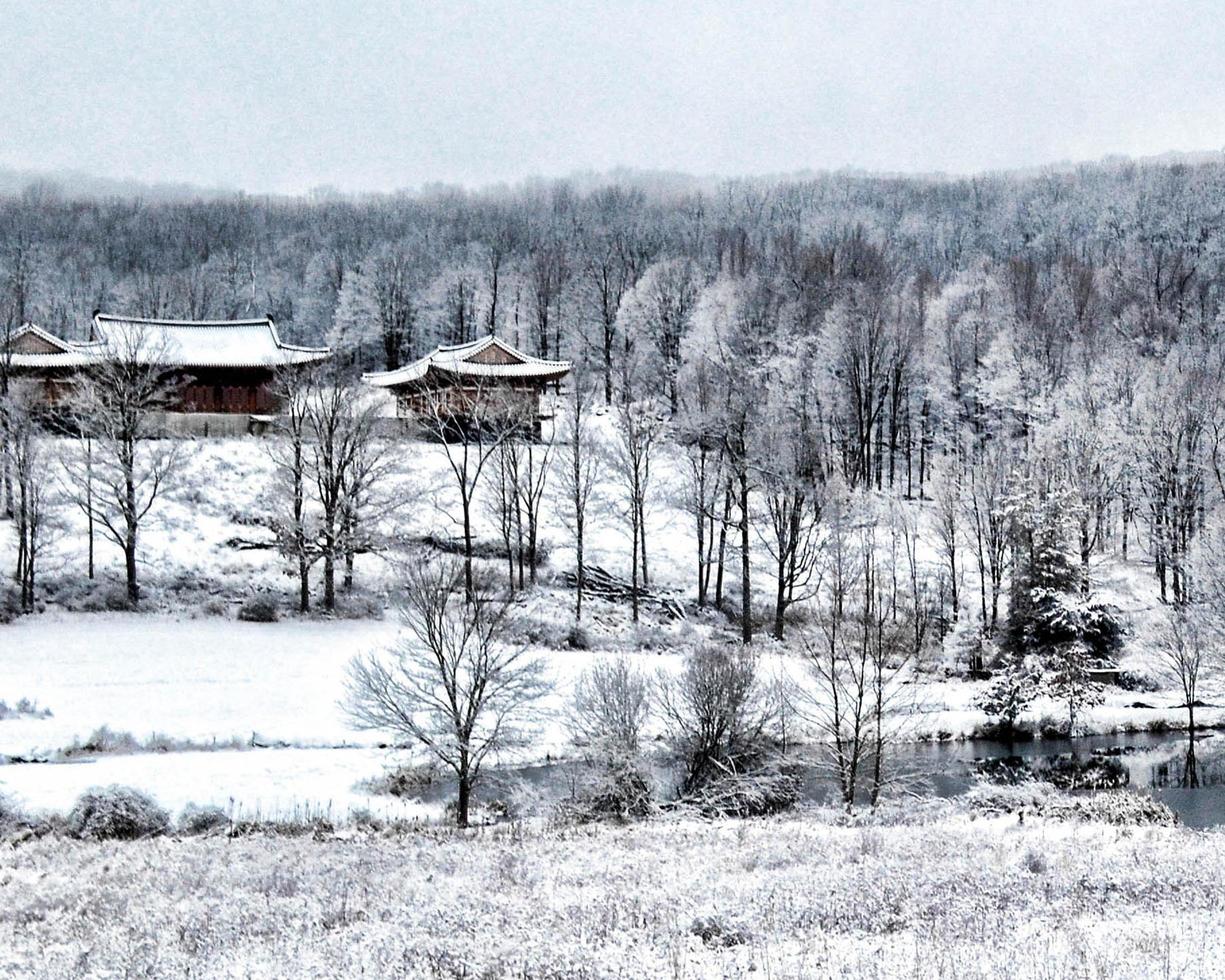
[[35, 354], [461, 384], [224, 367]]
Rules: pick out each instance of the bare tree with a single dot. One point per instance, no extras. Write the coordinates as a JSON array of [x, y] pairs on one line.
[[985, 511], [1187, 653], [638, 433], [31, 464], [471, 423], [716, 713], [450, 684], [17, 286], [349, 465], [788, 459], [124, 465], [579, 470], [290, 454], [859, 703], [523, 465], [612, 701], [947, 512]]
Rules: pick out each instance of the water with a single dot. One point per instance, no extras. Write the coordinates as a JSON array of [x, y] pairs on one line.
[[1151, 763]]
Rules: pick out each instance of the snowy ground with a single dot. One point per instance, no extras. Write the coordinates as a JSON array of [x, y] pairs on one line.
[[786, 898]]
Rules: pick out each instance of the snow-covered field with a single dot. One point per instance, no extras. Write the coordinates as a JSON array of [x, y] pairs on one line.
[[798, 897]]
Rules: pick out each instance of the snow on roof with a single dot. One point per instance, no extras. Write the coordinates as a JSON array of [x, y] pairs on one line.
[[459, 360], [64, 353], [208, 343]]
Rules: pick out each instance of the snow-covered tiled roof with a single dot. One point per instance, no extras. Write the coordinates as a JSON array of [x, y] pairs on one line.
[[64, 353], [207, 343], [459, 360]]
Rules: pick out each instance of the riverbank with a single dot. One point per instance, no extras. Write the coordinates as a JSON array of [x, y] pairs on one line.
[[211, 684], [937, 894]]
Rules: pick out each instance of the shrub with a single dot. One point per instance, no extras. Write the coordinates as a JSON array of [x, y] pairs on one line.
[[1138, 680], [201, 819], [103, 741], [403, 781], [23, 708], [621, 792], [549, 633], [612, 701], [12, 817], [1008, 696], [716, 712], [752, 794], [259, 609], [214, 607], [578, 638], [1118, 807], [715, 931], [1095, 772], [359, 605], [1035, 861], [116, 813], [10, 604], [1050, 726], [999, 731]]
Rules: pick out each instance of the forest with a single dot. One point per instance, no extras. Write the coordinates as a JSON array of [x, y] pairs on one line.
[[1037, 354]]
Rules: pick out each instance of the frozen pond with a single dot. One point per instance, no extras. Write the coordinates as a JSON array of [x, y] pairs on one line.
[[215, 679]]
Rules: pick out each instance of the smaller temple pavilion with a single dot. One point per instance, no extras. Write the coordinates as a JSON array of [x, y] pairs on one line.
[[459, 382], [35, 354]]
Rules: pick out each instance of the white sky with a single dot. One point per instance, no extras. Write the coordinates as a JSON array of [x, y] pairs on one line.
[[377, 96]]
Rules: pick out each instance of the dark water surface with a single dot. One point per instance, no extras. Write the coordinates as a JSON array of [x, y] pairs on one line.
[[1156, 764]]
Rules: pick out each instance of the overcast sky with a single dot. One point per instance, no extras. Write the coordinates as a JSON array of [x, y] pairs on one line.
[[379, 96]]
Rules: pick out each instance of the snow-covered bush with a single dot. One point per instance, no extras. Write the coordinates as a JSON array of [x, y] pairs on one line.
[[12, 817], [618, 791], [196, 819], [23, 708], [578, 638], [1118, 807], [98, 597], [716, 930], [116, 813], [752, 794], [359, 605], [103, 741], [10, 604], [1008, 696], [214, 607], [552, 634], [407, 782], [259, 609]]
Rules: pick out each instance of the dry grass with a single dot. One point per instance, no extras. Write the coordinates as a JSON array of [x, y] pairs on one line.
[[778, 898]]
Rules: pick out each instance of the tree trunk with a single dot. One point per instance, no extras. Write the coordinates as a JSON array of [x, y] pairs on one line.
[[129, 561], [580, 576], [727, 513], [746, 598], [89, 500], [329, 565], [464, 798], [304, 590], [467, 509]]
